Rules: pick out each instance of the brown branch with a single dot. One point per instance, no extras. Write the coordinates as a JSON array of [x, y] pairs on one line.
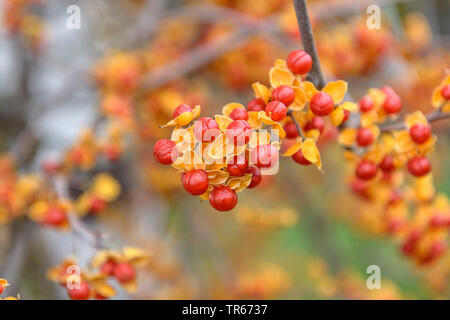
[[401, 125], [206, 53], [297, 125], [304, 25]]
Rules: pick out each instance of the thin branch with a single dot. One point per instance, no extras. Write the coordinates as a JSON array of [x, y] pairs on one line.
[[96, 239], [431, 117], [297, 125], [304, 25], [206, 53]]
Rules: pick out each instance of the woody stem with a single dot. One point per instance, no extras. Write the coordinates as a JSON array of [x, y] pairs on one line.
[[431, 117], [309, 45], [297, 125]]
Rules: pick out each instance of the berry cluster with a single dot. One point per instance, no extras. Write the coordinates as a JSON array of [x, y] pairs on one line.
[[105, 264], [403, 205], [220, 156]]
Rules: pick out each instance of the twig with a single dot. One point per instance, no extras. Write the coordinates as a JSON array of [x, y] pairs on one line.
[[304, 25], [206, 53], [297, 125], [96, 239], [431, 117]]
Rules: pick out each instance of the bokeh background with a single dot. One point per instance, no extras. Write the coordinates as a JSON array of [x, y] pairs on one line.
[[300, 234]]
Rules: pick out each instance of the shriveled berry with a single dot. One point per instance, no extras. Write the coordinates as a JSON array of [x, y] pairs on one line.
[[223, 198], [387, 163], [239, 131], [316, 123], [196, 182], [165, 151], [366, 104], [291, 130], [300, 158], [124, 272], [239, 114], [256, 104], [276, 110], [321, 104], [264, 156], [299, 62], [237, 166], [420, 133], [364, 137], [445, 91], [366, 170], [256, 176], [206, 129], [419, 166], [79, 292], [283, 94]]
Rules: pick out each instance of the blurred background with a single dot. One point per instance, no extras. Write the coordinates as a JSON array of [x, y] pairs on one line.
[[94, 97]]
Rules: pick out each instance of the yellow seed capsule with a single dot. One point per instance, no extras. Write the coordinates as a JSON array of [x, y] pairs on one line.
[[184, 118]]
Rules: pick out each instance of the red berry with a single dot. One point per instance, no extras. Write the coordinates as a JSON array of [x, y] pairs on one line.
[[364, 137], [239, 114], [108, 267], [366, 170], [50, 166], [321, 104], [256, 104], [420, 133], [81, 293], [264, 156], [182, 108], [361, 188], [206, 129], [388, 91], [366, 104], [55, 217], [239, 131], [445, 91], [291, 130], [1, 288], [392, 104], [284, 94], [124, 272], [299, 62], [165, 151], [223, 198], [346, 115], [237, 166], [419, 166], [316, 123], [97, 205], [276, 110], [300, 159], [98, 296], [196, 182], [256, 176], [387, 164]]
